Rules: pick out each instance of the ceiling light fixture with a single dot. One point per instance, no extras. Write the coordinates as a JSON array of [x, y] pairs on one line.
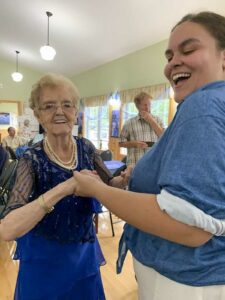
[[47, 52], [17, 76]]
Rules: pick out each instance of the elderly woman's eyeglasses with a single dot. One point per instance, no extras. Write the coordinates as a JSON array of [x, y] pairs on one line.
[[53, 106]]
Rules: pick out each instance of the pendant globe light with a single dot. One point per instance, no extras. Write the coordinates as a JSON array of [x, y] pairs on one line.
[[17, 76], [47, 52]]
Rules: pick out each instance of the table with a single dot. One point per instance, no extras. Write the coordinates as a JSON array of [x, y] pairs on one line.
[[113, 165]]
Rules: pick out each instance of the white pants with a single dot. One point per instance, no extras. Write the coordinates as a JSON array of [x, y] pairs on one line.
[[154, 286]]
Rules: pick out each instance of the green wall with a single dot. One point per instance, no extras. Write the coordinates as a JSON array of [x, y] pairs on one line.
[[139, 69], [11, 90]]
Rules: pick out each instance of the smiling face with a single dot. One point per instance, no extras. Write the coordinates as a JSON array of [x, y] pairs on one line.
[[193, 59], [58, 121]]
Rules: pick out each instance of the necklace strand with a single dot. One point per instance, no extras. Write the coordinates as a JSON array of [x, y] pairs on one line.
[[62, 164], [56, 156], [71, 164]]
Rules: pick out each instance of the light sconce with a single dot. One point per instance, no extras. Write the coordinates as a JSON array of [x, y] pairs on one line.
[[17, 76], [47, 52]]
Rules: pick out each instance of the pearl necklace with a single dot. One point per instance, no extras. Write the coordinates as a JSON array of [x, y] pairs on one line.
[[71, 164]]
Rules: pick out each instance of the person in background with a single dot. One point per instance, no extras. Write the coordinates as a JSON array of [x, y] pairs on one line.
[[25, 131], [38, 136], [59, 253], [175, 209], [140, 129], [12, 140]]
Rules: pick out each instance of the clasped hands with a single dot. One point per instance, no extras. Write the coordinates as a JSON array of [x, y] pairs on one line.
[[87, 182]]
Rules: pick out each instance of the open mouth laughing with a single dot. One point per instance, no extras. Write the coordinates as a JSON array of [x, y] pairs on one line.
[[176, 78]]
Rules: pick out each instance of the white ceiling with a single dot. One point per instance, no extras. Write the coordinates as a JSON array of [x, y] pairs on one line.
[[88, 33]]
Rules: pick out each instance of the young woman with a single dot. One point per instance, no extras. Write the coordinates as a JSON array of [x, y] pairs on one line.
[[175, 208]]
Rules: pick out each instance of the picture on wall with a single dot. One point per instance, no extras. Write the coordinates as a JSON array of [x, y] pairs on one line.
[[115, 123], [4, 118], [80, 122]]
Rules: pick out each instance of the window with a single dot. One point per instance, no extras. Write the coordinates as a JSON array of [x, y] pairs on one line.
[[160, 108], [129, 111], [97, 126]]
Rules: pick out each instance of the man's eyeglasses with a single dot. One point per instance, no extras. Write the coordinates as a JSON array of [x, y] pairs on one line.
[[52, 107]]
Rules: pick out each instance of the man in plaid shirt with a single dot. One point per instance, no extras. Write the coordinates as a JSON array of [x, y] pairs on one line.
[[139, 131]]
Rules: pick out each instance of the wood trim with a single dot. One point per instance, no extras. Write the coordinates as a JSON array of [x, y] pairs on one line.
[[172, 109], [20, 105]]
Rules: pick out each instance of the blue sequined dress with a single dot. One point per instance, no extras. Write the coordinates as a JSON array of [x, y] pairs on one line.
[[60, 257]]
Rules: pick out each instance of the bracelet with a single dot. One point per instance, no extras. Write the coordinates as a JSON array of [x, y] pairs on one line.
[[43, 205]]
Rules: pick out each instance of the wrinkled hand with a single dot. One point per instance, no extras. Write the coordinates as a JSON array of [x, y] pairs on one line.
[[92, 173], [69, 186], [122, 180], [126, 174]]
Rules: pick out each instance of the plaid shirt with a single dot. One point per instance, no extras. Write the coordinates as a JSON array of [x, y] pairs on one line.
[[137, 129]]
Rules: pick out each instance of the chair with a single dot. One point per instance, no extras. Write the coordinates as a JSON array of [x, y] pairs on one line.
[[4, 155], [124, 160], [106, 155], [7, 180], [8, 171], [110, 217], [11, 152], [116, 173]]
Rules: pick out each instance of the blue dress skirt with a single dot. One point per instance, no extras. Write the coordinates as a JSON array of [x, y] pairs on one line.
[[60, 257], [72, 272], [32, 285]]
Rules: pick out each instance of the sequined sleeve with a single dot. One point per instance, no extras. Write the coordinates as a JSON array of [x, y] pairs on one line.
[[101, 169], [22, 187], [99, 165]]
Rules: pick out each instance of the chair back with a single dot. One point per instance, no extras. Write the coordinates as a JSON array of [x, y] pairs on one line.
[[106, 155], [7, 171], [7, 179], [4, 155], [124, 160], [11, 152]]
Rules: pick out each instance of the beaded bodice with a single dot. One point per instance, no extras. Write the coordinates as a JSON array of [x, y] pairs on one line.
[[71, 220]]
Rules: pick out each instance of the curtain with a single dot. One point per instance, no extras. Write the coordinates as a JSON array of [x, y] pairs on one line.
[[96, 101], [160, 91]]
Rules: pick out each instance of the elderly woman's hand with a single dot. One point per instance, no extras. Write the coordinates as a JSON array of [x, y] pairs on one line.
[[91, 173], [126, 174], [68, 186], [122, 180]]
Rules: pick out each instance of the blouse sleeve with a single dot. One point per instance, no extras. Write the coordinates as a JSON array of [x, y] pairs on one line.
[[185, 212], [101, 169], [22, 188], [99, 165]]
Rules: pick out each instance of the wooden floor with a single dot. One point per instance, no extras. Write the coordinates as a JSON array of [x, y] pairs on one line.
[[117, 287]]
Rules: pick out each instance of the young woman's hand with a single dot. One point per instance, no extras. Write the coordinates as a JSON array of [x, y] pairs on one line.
[[86, 183]]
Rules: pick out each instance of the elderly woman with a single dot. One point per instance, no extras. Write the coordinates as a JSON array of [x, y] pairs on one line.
[[56, 242], [176, 207]]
